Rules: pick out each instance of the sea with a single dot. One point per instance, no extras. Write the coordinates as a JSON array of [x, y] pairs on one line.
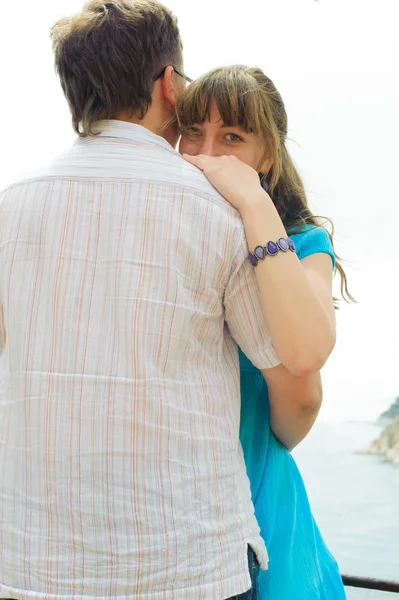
[[355, 500]]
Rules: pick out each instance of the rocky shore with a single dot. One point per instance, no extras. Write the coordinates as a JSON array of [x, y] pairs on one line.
[[387, 445], [387, 417]]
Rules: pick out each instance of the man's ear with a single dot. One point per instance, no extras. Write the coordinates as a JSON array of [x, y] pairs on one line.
[[168, 86]]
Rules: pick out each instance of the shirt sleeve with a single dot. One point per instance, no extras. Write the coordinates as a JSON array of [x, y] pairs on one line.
[[2, 330], [244, 313], [312, 240], [2, 326]]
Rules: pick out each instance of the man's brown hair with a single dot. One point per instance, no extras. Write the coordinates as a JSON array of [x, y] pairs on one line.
[[108, 55]]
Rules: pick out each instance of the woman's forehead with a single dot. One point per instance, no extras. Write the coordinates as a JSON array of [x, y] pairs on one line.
[[221, 112]]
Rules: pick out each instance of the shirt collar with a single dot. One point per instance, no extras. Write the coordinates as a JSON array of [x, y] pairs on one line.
[[130, 131]]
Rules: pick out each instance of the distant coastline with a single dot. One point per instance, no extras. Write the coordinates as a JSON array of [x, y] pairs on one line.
[[387, 445]]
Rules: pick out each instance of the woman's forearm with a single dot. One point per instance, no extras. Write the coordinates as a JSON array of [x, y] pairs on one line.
[[302, 330], [294, 404], [289, 427]]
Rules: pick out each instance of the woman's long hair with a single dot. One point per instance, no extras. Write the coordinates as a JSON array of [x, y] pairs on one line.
[[245, 97]]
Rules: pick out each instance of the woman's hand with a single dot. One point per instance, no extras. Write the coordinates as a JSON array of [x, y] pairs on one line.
[[233, 179]]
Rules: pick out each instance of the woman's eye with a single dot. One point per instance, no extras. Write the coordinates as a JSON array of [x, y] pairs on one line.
[[234, 137], [190, 131]]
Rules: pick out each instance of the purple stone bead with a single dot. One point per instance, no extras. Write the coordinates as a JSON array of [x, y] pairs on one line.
[[283, 244], [252, 259], [272, 248], [291, 245], [260, 252]]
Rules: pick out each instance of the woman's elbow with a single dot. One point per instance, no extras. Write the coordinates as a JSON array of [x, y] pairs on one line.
[[305, 362], [308, 365]]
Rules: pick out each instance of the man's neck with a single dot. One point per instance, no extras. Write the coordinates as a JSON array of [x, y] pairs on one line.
[[155, 121]]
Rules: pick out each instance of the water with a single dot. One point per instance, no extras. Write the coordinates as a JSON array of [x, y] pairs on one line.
[[355, 499]]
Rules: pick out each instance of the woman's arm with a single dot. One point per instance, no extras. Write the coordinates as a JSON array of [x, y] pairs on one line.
[[296, 295], [294, 404]]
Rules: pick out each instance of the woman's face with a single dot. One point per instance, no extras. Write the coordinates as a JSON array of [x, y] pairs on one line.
[[214, 138]]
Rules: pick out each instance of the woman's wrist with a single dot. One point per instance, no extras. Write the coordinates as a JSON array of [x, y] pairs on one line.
[[261, 221], [254, 203]]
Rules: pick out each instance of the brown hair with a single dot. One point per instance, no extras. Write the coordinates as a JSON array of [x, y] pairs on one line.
[[108, 55], [245, 97]]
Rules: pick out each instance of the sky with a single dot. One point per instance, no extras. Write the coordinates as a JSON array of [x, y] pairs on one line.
[[335, 64]]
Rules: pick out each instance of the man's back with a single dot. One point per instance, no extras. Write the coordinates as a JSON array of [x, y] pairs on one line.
[[121, 470]]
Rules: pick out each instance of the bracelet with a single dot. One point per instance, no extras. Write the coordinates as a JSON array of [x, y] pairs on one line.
[[271, 248]]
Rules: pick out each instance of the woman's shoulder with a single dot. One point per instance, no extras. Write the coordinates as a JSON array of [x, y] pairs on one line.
[[312, 239]]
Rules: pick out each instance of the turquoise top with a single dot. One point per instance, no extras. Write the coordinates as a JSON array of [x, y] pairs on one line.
[[300, 564]]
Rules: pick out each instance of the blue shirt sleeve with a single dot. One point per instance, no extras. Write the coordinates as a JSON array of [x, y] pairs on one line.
[[311, 240]]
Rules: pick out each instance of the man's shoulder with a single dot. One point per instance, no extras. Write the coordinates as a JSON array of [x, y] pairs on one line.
[[11, 188], [178, 173], [133, 164], [21, 187], [139, 161]]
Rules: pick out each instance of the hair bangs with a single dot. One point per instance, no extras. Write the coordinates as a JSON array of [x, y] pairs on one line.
[[235, 94]]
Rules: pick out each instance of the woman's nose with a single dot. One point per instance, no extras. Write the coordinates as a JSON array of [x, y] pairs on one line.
[[209, 148]]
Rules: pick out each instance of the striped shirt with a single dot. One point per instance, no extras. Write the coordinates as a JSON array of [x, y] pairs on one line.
[[124, 290]]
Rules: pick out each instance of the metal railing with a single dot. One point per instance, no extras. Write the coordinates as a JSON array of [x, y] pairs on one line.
[[368, 583]]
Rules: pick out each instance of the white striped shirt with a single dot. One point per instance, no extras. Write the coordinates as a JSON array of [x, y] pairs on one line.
[[124, 289]]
